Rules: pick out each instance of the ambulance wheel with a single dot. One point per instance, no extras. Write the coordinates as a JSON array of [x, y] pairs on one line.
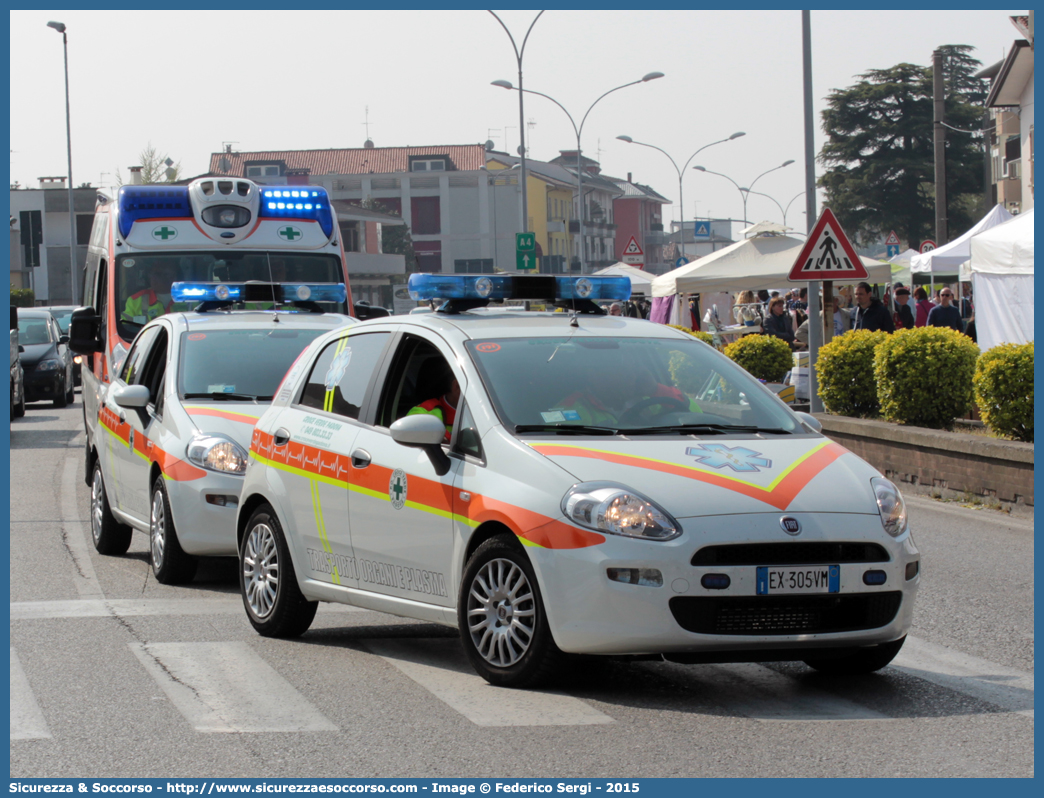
[[859, 661], [70, 395], [170, 564], [61, 399], [273, 601], [503, 626], [110, 536]]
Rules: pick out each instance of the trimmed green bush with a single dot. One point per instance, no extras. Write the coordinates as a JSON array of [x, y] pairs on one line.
[[23, 297], [924, 376], [845, 373], [764, 356], [707, 338], [1003, 390]]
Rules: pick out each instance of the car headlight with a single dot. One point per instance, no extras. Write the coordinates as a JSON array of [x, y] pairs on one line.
[[48, 365], [217, 453], [612, 508], [890, 505]]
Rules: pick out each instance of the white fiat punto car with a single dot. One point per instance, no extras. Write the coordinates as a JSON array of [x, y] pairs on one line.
[[167, 450], [566, 483]]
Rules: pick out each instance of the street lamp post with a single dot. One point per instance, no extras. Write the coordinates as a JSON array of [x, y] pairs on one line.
[[579, 130], [744, 191], [60, 27], [521, 114], [681, 172]]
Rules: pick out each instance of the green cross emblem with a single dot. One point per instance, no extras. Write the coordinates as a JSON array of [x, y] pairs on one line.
[[164, 232], [290, 233], [397, 489]]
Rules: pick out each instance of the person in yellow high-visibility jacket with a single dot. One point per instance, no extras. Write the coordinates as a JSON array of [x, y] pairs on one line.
[[436, 378], [155, 300]]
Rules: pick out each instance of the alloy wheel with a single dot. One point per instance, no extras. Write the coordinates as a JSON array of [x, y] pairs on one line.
[[97, 505], [260, 564], [158, 531], [501, 613]]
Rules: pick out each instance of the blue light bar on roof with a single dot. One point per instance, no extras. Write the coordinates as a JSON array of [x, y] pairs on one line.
[[509, 286], [225, 292], [298, 202], [150, 202]]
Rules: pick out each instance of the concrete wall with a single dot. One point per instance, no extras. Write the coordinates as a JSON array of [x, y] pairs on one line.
[[928, 461]]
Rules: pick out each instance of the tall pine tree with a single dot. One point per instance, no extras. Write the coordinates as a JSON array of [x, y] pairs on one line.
[[879, 158]]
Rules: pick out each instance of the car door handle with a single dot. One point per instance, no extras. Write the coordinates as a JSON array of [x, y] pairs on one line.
[[360, 458], [281, 437], [123, 417]]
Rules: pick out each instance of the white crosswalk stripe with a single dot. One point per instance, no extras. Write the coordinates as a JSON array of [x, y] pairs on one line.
[[226, 687], [440, 667], [27, 719], [127, 608]]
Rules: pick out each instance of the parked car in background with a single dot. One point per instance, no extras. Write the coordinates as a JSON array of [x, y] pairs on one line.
[[17, 379], [47, 361], [62, 314]]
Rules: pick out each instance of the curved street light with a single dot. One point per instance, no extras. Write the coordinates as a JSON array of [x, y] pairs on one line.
[[681, 172], [504, 84], [60, 27], [521, 115], [744, 190]]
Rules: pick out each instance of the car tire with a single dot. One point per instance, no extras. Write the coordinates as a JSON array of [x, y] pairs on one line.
[[274, 604], [859, 661], [170, 564], [500, 613], [70, 395], [19, 409], [61, 399], [110, 536]]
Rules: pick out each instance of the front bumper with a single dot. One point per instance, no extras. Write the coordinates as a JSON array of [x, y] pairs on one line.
[[42, 385], [589, 613], [206, 528]]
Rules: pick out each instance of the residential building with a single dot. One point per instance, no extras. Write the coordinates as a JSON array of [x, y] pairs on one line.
[[599, 226], [40, 216], [373, 273], [638, 213]]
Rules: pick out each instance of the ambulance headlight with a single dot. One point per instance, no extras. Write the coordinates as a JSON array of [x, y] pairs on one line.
[[890, 505], [227, 216], [612, 508], [217, 453]]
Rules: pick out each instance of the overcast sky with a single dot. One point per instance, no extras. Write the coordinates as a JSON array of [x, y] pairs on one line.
[[268, 80]]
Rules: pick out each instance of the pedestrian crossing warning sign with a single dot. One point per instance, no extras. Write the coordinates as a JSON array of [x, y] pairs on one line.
[[828, 254], [702, 230]]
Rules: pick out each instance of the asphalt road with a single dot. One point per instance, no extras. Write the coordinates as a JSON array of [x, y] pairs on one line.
[[115, 675]]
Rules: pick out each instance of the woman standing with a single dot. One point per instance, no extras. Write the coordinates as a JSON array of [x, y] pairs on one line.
[[924, 307]]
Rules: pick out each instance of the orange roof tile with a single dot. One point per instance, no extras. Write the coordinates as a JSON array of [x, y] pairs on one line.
[[358, 161]]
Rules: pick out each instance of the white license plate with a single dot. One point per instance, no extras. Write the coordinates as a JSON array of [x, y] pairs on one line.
[[775, 580]]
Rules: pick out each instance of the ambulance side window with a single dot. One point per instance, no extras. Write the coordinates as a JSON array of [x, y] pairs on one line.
[[342, 374]]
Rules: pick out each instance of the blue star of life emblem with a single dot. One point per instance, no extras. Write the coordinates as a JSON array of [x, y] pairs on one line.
[[716, 455]]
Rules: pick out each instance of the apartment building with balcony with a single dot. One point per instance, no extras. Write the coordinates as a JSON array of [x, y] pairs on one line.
[[638, 212], [599, 239]]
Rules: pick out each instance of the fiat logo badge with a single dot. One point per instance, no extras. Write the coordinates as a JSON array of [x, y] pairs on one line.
[[790, 525]]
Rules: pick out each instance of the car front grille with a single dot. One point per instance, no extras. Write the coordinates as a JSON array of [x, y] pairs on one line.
[[785, 615], [790, 553]]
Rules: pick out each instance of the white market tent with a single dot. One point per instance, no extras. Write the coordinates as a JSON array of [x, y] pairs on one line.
[[901, 266], [949, 257], [763, 262], [641, 281], [1002, 279]]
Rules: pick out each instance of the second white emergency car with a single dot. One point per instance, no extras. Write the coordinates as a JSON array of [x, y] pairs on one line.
[[167, 450], [610, 486]]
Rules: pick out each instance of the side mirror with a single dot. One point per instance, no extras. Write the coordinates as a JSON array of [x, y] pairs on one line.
[[136, 396], [810, 421], [20, 349], [63, 339], [423, 432], [85, 335]]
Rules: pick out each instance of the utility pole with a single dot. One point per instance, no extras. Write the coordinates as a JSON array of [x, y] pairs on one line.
[[939, 117]]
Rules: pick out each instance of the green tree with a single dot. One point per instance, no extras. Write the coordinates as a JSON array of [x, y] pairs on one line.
[[154, 167], [879, 159], [395, 238]]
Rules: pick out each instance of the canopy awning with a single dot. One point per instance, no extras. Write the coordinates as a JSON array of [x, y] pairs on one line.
[[948, 258]]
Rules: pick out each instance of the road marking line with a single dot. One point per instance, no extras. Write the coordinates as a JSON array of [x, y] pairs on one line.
[[27, 719], [763, 694], [440, 667], [226, 687], [128, 608], [86, 580], [1007, 688]]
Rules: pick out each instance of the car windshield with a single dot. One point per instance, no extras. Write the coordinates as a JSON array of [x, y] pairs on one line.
[[238, 364], [32, 331], [62, 316], [639, 385], [143, 280]]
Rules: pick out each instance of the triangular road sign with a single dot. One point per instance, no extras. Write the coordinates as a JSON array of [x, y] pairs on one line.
[[892, 240], [632, 247], [827, 255]]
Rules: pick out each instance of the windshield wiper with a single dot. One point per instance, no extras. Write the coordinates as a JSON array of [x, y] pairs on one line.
[[238, 397], [568, 429], [706, 429]]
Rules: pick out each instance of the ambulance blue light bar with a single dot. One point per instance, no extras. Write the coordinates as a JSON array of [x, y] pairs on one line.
[[509, 286], [298, 202], [136, 203], [233, 292]]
